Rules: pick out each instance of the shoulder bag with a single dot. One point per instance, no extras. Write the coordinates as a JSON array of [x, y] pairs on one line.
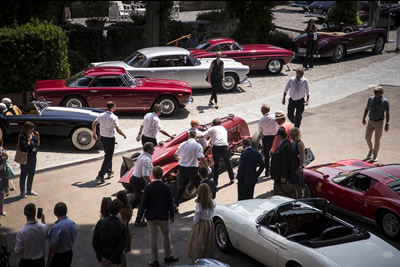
[[20, 157], [308, 156]]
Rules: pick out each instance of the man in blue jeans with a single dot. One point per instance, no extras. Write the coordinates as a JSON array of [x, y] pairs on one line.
[[108, 124]]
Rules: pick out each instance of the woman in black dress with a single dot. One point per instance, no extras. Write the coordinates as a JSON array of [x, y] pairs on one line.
[[29, 141], [216, 77], [311, 31]]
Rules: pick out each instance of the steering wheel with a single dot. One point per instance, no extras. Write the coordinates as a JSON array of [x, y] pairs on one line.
[[282, 227], [203, 127], [347, 29]]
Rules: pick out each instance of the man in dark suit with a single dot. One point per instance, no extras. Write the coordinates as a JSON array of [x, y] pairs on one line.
[[248, 173], [109, 237], [280, 165], [157, 204]]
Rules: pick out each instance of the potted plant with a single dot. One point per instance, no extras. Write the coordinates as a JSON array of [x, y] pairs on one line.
[[96, 11]]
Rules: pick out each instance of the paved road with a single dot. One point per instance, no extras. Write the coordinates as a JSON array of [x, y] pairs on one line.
[[333, 131]]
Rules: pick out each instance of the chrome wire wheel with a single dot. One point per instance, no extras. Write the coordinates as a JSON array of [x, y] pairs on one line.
[[221, 235]]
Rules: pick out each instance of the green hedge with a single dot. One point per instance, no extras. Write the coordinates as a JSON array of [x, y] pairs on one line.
[[89, 43], [31, 52], [124, 32]]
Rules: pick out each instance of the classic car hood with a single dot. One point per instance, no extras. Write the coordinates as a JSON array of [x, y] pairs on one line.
[[369, 252], [46, 84], [253, 208], [66, 112], [265, 48], [170, 84], [343, 166]]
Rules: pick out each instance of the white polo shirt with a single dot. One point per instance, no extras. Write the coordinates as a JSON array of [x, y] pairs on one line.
[[267, 125], [218, 134], [297, 88], [108, 121], [189, 152], [151, 125], [31, 240], [202, 141], [143, 166]]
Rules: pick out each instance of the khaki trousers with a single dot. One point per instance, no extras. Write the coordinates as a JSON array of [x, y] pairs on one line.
[[372, 126], [152, 227]]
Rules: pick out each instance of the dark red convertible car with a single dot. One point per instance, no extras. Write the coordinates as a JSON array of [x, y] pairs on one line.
[[368, 190], [336, 45], [257, 56], [164, 154], [94, 87]]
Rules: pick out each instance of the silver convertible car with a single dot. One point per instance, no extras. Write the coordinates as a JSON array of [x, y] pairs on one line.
[[177, 63], [285, 232]]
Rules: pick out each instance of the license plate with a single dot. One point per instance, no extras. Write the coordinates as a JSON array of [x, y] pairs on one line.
[[318, 11], [301, 50]]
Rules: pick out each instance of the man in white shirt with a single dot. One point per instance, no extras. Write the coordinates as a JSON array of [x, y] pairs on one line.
[[219, 141], [298, 88], [108, 124], [140, 178], [150, 127], [267, 127], [188, 154], [31, 239]]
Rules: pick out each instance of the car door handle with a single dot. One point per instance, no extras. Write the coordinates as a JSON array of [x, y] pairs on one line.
[[152, 70], [94, 91], [223, 55], [350, 39]]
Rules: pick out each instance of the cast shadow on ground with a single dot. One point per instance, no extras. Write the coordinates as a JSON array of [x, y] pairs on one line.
[[90, 184]]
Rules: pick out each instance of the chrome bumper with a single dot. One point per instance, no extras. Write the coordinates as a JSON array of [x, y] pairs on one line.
[[298, 54], [188, 102], [246, 81]]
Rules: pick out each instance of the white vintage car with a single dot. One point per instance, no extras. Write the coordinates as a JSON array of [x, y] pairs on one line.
[[281, 231], [176, 63]]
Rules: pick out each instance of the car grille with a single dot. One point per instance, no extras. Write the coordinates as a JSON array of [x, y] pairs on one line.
[[318, 11]]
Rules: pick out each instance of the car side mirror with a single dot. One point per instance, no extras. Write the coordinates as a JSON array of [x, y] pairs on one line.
[[258, 226], [326, 176]]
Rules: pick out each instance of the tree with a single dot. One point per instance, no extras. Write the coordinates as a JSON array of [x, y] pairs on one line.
[[374, 12], [344, 13], [255, 20]]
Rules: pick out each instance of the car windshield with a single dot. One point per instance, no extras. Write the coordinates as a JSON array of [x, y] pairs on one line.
[[130, 80], [79, 80], [195, 61], [40, 106], [342, 176], [203, 45], [135, 60]]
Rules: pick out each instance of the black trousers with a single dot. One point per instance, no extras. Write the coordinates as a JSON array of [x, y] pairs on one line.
[[28, 170], [298, 107], [185, 175], [146, 139], [309, 59], [216, 83], [245, 191], [218, 153], [62, 259], [138, 185], [32, 263], [108, 146], [267, 142]]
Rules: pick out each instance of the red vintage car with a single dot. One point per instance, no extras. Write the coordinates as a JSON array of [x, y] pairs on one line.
[[257, 56], [336, 45], [361, 188], [94, 87], [164, 154]]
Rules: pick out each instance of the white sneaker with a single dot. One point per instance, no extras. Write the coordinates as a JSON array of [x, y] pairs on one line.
[[32, 193]]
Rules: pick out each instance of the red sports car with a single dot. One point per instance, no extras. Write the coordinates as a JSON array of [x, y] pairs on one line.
[[164, 154], [94, 87], [371, 191], [337, 44], [256, 56]]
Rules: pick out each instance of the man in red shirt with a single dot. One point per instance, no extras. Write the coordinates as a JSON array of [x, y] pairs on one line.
[[280, 118]]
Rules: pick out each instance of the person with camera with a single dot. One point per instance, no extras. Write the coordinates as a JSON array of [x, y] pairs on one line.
[[31, 239], [29, 141]]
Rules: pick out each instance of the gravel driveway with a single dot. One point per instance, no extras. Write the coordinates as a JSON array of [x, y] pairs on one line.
[[266, 85]]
